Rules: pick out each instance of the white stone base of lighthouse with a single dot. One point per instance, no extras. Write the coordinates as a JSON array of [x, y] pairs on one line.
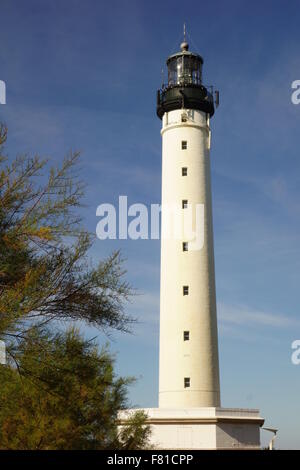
[[202, 428]]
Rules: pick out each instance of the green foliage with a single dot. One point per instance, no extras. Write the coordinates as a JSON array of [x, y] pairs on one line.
[[135, 434], [58, 391], [45, 273], [64, 395]]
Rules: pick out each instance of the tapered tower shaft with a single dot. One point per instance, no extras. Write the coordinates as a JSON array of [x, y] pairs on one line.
[[188, 361]]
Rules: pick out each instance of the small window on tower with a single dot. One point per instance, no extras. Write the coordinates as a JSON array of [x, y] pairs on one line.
[[185, 246], [184, 171], [187, 382], [183, 145], [184, 204], [185, 290], [186, 336]]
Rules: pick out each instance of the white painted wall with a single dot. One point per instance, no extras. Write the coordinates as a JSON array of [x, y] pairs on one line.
[[202, 428], [237, 436], [176, 436], [196, 312]]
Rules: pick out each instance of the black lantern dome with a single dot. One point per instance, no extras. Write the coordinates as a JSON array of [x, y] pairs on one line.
[[184, 88]]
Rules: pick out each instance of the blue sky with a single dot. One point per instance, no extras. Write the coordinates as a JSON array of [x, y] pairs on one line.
[[83, 75]]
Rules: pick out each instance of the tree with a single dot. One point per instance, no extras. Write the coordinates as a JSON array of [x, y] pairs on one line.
[[45, 273], [65, 395], [58, 391]]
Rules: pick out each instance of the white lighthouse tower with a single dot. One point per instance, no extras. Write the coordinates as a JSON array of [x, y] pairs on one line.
[[188, 361], [189, 415]]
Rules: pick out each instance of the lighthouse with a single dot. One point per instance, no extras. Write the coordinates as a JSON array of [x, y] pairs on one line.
[[188, 357], [189, 415]]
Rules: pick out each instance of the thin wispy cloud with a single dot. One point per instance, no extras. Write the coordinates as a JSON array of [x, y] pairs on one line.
[[243, 316]]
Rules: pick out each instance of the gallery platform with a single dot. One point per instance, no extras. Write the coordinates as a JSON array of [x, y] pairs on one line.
[[202, 428]]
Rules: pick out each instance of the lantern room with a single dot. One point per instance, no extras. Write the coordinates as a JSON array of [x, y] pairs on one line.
[[184, 68], [184, 88]]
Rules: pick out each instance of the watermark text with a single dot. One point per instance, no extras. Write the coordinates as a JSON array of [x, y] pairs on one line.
[[183, 222], [295, 97], [2, 92], [295, 358]]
